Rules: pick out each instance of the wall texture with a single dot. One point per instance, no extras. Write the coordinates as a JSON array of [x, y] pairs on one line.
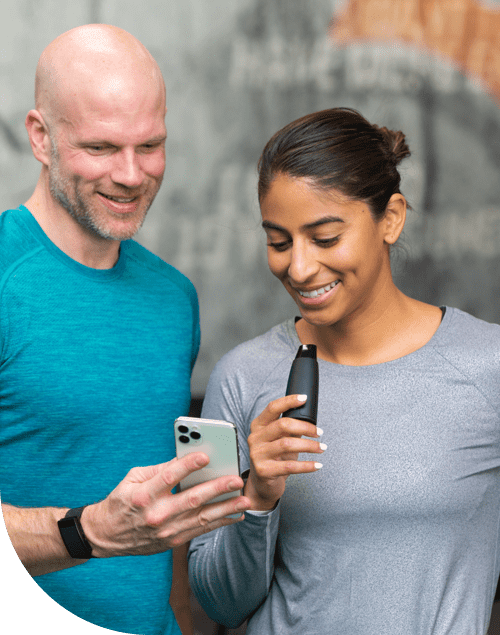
[[235, 73]]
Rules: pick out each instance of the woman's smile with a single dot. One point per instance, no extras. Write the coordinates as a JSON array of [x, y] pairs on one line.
[[328, 251], [316, 295]]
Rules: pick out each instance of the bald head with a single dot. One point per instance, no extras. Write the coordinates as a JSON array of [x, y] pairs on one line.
[[94, 61]]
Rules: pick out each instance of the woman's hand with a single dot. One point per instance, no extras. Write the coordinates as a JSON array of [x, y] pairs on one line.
[[274, 445]]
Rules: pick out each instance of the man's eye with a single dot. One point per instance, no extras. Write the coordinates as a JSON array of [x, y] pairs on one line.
[[150, 147]]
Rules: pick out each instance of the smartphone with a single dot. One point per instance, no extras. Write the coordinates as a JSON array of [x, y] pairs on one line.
[[219, 441]]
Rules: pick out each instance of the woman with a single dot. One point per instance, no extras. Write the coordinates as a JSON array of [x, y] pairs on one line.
[[397, 531]]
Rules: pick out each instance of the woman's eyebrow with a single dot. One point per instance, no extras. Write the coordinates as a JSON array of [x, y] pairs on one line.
[[267, 224], [321, 221]]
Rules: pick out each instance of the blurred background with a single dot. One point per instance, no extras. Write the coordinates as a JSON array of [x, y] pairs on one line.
[[238, 71]]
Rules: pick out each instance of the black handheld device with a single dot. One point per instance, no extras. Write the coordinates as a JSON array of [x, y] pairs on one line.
[[304, 380]]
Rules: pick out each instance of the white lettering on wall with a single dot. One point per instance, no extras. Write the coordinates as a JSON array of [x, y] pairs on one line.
[[278, 63]]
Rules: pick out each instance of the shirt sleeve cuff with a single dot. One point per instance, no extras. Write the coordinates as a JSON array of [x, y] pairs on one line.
[[259, 512]]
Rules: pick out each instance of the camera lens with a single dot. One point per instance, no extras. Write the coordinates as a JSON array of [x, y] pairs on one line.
[[195, 435], [183, 439], [183, 429]]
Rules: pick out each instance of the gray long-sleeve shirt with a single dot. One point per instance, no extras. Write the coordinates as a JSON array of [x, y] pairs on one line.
[[399, 532]]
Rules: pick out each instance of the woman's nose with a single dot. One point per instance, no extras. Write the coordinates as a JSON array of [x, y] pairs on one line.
[[302, 264]]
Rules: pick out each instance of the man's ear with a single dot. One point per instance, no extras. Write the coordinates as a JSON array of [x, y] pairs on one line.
[[394, 219], [38, 134]]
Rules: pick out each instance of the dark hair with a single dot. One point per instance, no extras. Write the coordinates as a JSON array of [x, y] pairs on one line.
[[337, 149]]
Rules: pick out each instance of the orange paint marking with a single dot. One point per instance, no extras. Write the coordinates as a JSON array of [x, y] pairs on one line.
[[465, 31]]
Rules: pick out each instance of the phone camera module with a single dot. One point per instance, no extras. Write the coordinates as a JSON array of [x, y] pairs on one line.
[[183, 439], [195, 435]]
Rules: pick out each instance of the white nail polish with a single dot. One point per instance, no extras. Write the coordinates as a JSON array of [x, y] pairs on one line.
[[318, 466], [302, 397], [323, 446], [319, 431]]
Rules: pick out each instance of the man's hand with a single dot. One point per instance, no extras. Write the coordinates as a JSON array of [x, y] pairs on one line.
[[142, 516]]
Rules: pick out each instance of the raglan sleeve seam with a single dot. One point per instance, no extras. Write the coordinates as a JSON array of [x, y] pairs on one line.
[[6, 277], [472, 380]]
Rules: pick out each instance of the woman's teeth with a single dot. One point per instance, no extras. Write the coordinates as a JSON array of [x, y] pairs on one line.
[[316, 292]]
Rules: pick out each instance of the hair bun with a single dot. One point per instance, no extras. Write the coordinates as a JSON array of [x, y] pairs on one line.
[[337, 149], [396, 141]]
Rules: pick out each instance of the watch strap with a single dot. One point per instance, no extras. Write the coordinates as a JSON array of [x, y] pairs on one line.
[[73, 535]]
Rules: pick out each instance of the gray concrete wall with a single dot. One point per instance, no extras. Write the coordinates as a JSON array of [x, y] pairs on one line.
[[236, 71]]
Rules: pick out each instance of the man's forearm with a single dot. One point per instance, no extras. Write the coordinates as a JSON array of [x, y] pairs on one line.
[[35, 536], [140, 517]]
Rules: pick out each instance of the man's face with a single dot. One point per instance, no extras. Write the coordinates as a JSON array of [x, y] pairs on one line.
[[107, 163]]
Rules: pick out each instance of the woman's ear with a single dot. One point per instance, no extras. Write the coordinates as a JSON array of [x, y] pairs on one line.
[[394, 219], [38, 134]]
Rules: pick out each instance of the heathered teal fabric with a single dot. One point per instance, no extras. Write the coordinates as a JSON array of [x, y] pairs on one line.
[[398, 534], [94, 367]]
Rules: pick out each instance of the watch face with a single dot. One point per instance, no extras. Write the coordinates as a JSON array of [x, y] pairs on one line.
[[73, 536], [76, 512]]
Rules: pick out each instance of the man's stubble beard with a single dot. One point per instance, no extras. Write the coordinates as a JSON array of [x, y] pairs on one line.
[[66, 192]]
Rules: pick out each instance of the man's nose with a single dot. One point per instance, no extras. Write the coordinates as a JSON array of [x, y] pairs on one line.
[[127, 169]]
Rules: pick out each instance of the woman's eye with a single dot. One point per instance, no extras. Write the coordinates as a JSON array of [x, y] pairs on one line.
[[326, 242], [280, 246]]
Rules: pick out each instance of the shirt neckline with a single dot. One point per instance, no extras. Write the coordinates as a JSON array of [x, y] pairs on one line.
[[404, 359], [102, 275]]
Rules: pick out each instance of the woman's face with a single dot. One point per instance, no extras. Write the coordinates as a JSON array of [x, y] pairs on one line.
[[328, 251]]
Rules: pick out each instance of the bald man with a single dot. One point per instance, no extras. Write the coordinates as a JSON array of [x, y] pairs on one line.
[[98, 338]]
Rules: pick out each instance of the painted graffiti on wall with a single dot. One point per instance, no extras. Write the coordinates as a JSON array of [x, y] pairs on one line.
[[235, 73], [464, 31]]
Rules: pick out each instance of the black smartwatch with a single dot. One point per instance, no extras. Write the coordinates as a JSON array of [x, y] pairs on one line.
[[73, 536]]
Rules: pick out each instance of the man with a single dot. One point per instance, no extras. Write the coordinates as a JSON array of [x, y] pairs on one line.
[[98, 338]]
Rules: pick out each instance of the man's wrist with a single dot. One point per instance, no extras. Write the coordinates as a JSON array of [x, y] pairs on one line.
[[73, 535], [90, 527]]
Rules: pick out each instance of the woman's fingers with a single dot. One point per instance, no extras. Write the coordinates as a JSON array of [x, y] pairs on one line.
[[275, 443], [276, 408], [274, 469], [284, 429], [280, 458], [286, 445], [269, 425]]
